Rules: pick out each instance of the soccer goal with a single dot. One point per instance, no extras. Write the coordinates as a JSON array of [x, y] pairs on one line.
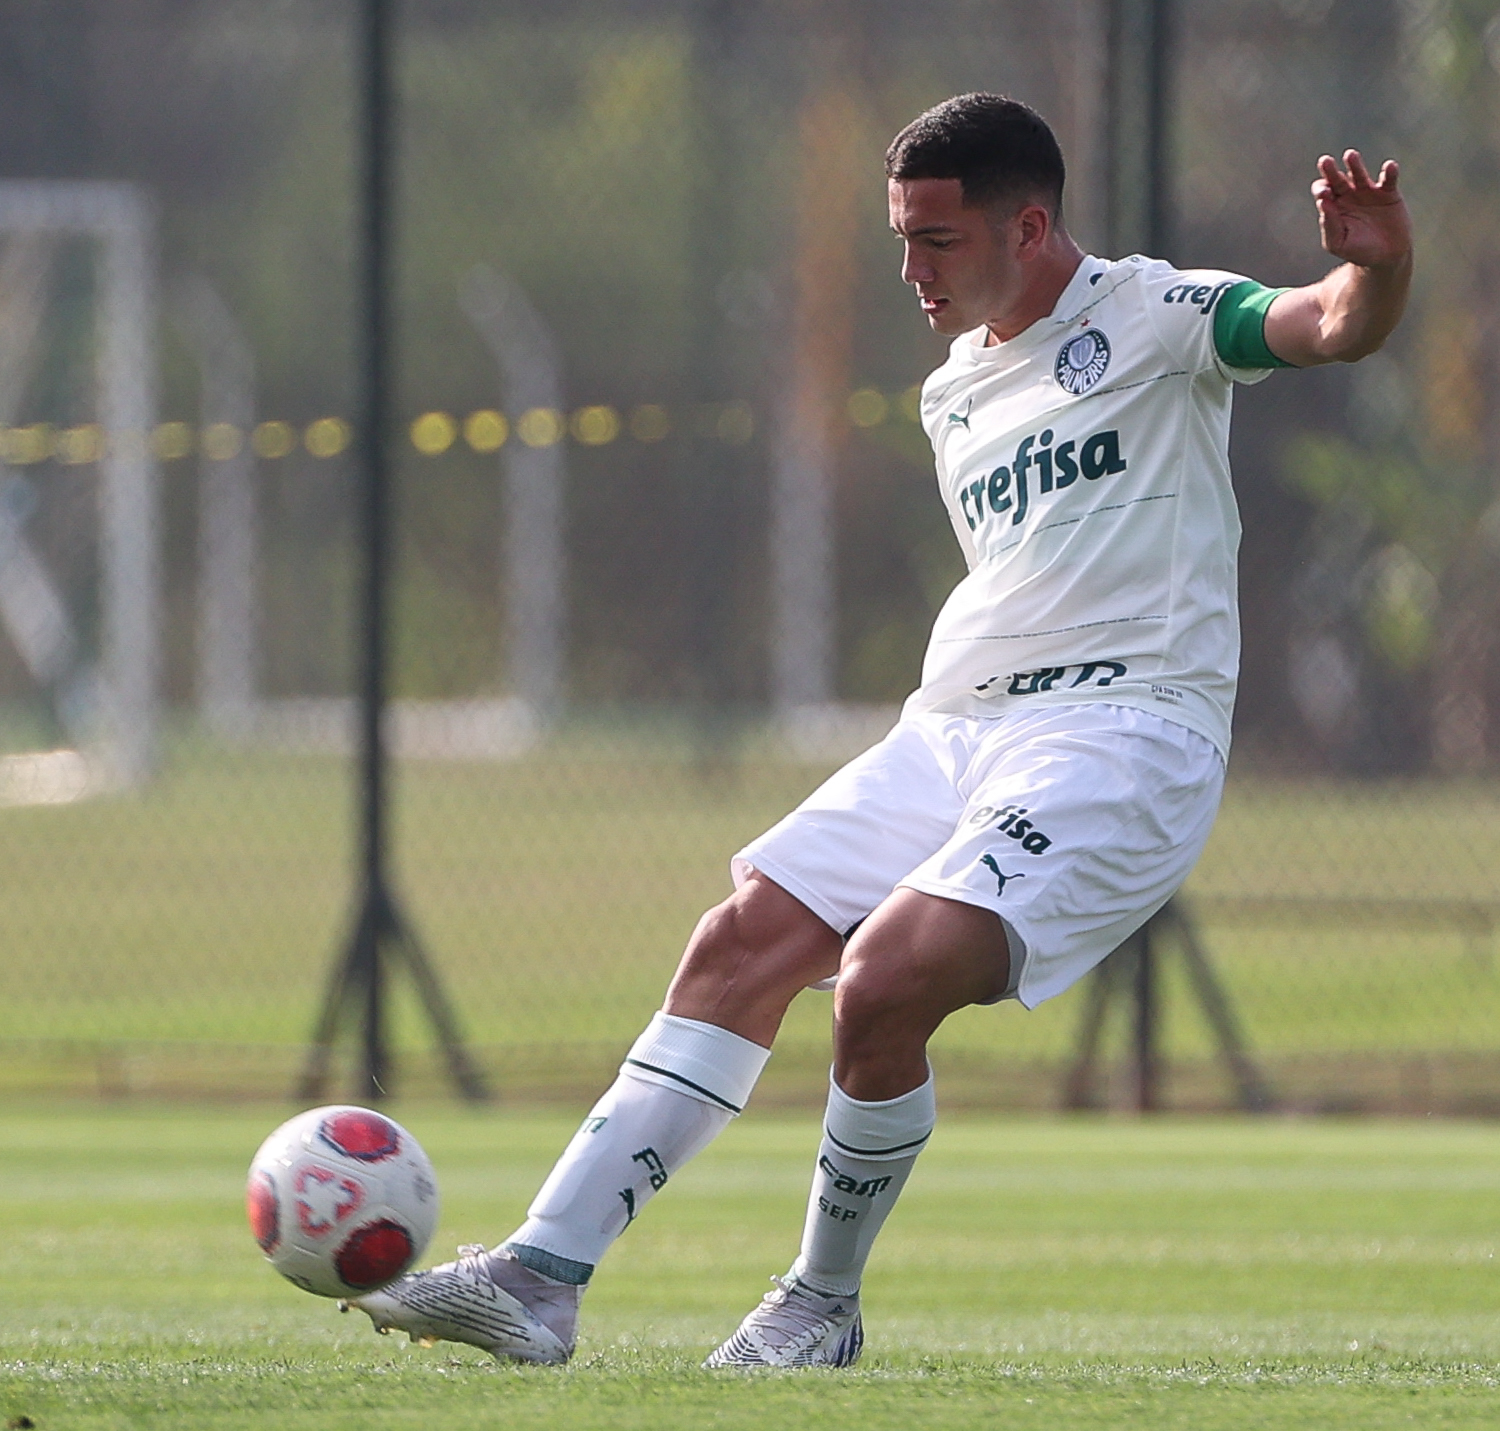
[[80, 637]]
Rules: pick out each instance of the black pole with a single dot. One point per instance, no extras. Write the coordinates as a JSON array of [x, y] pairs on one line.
[[357, 987], [1147, 33], [1139, 105], [1146, 1090], [374, 376], [1139, 113], [1139, 199], [1158, 81], [710, 468]]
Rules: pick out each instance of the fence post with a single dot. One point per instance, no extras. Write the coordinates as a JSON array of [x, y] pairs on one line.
[[535, 551], [811, 423], [228, 519]]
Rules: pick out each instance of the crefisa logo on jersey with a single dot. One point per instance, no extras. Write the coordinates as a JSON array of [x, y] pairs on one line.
[[1081, 361]]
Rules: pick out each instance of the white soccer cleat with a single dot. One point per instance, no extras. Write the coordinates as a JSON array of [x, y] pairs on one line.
[[795, 1326], [486, 1299]]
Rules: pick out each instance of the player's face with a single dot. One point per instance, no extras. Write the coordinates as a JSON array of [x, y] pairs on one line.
[[966, 264]]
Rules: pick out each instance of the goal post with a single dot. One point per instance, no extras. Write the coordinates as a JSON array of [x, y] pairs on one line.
[[118, 218]]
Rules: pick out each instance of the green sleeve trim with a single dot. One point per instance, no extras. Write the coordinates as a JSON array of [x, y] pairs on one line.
[[1240, 326]]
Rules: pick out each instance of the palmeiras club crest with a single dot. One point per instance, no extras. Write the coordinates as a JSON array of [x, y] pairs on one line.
[[1081, 361]]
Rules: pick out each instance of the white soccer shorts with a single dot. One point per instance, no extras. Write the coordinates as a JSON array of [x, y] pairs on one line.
[[1074, 824]]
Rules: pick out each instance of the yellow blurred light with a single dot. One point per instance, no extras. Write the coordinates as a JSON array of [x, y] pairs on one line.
[[77, 445], [486, 430], [273, 439], [735, 423], [20, 445], [650, 422], [327, 437], [594, 426], [221, 441], [172, 440], [911, 403], [433, 433], [541, 427], [867, 408]]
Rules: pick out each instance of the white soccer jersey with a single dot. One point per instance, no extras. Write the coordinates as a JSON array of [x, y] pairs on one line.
[[1085, 467]]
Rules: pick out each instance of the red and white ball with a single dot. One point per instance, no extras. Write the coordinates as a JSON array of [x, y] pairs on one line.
[[341, 1200]]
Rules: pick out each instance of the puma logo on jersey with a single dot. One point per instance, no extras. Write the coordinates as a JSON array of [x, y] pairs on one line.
[[1008, 489], [961, 419], [989, 861]]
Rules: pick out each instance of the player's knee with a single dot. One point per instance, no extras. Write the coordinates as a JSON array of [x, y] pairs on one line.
[[760, 935], [874, 994], [876, 1023]]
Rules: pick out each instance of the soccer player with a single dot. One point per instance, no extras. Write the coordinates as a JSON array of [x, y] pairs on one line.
[[1052, 780]]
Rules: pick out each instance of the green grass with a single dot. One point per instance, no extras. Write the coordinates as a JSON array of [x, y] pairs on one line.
[[1201, 1275], [556, 892]]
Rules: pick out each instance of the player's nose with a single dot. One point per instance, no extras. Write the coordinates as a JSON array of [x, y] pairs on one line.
[[915, 269]]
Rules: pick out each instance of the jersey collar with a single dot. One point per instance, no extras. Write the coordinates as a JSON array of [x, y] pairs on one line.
[[1082, 292]]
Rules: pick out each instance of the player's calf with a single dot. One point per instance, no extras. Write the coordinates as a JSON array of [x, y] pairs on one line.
[[812, 1319]]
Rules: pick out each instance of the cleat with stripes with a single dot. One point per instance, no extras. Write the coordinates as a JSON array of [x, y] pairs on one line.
[[795, 1326], [485, 1299]]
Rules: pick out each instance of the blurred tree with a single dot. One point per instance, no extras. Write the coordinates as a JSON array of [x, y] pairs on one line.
[[1417, 477]]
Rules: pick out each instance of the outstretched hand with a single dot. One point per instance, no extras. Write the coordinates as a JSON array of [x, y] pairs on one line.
[[1361, 220]]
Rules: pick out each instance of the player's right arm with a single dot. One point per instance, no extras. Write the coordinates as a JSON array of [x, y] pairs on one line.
[[1351, 311]]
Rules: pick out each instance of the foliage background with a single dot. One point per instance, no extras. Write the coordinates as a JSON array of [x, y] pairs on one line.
[[642, 170]]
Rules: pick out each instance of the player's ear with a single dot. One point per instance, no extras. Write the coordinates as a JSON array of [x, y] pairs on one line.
[[1031, 226]]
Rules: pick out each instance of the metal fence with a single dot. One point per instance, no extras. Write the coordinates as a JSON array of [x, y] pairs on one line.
[[667, 541]]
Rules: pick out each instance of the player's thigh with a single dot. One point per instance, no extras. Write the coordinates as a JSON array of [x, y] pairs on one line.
[[842, 851], [760, 943], [1080, 822]]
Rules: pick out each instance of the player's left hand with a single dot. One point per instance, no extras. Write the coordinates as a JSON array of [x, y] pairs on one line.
[[1362, 220]]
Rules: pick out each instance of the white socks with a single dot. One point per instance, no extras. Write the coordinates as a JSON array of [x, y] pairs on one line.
[[868, 1151], [678, 1088]]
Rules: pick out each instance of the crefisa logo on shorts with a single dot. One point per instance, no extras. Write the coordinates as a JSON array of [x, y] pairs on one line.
[[1032, 840], [1081, 361]]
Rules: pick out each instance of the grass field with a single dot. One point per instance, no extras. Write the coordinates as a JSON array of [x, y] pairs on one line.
[[555, 893], [1202, 1275]]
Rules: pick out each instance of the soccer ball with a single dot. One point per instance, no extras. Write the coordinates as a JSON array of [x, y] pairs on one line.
[[341, 1200]]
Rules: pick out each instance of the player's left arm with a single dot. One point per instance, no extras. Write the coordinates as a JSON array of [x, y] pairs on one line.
[[1351, 311]]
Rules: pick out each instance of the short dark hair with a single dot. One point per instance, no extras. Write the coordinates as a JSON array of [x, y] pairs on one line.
[[997, 148]]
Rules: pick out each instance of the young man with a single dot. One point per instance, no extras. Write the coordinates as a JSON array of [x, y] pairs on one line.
[[1053, 779]]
